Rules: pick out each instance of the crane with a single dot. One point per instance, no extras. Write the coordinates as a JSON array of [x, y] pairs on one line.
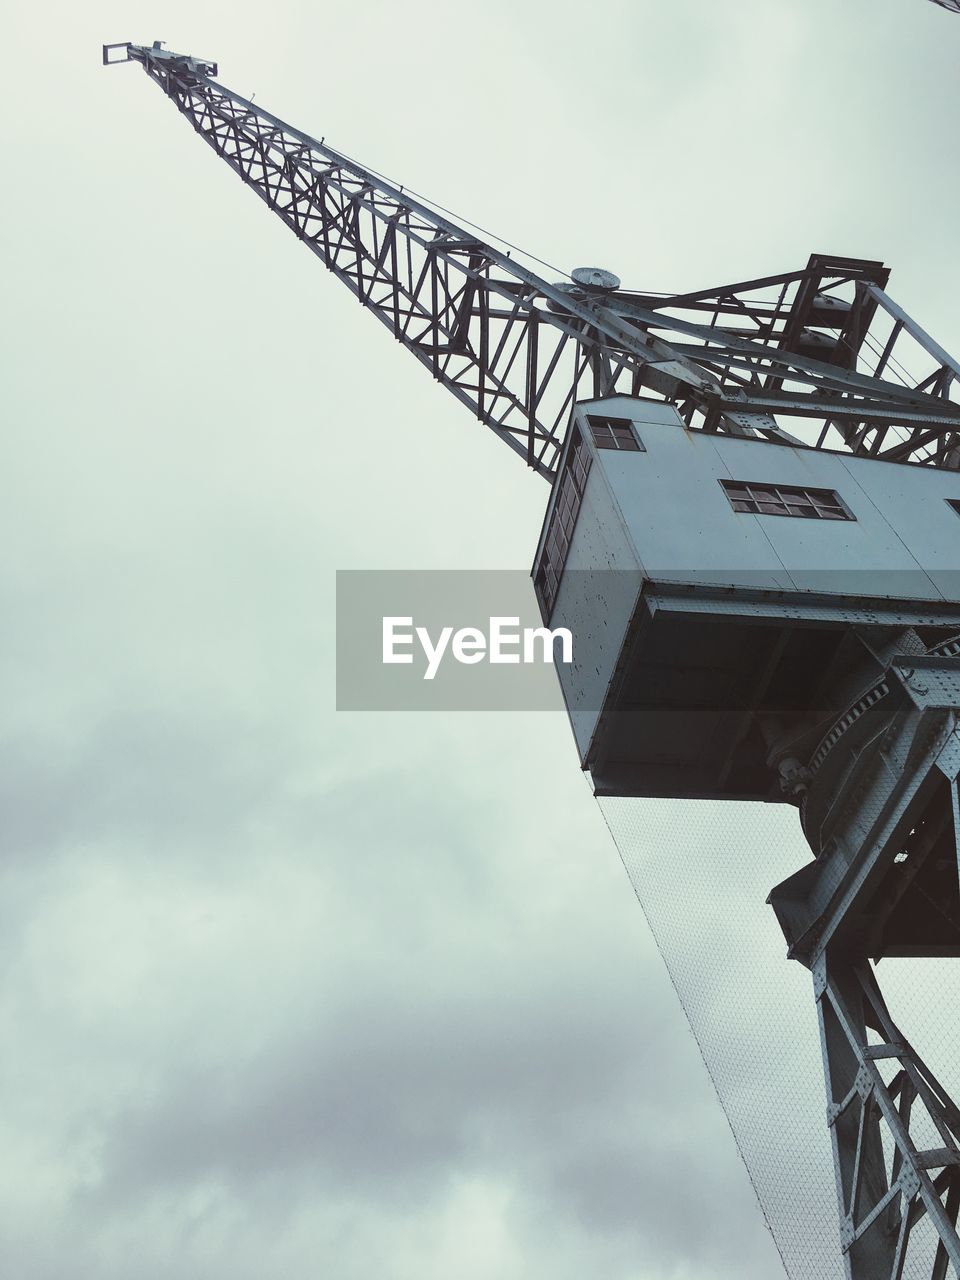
[[844, 703]]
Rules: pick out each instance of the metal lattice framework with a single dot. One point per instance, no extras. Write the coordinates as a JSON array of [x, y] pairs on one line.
[[817, 356], [880, 810], [883, 1094]]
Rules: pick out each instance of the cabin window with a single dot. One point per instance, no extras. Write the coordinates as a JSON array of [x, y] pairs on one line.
[[786, 500], [614, 433], [556, 544]]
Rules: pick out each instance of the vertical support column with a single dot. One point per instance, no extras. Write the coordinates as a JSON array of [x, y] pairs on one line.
[[878, 1090], [955, 804]]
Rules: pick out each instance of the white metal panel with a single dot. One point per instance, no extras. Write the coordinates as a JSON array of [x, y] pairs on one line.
[[678, 517], [866, 556], [913, 500], [904, 542]]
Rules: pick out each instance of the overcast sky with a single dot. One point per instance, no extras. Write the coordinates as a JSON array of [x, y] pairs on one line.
[[298, 993]]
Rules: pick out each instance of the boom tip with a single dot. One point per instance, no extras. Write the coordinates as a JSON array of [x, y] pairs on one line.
[[156, 54]]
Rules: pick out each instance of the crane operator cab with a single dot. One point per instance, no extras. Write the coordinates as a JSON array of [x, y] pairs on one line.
[[748, 615]]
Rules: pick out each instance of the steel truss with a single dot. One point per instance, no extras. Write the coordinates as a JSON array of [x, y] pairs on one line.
[[880, 810], [880, 1092], [819, 351]]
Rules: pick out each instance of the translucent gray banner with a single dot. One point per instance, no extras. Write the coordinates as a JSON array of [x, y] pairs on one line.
[[443, 640]]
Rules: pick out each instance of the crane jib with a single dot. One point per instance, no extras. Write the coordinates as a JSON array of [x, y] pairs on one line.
[[804, 356]]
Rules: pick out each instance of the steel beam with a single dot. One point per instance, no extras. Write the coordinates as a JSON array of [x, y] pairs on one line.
[[519, 350], [880, 810], [879, 1091]]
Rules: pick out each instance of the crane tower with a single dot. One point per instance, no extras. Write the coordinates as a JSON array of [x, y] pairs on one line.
[[750, 529]]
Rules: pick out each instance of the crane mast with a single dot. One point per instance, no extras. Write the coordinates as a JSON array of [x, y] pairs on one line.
[[842, 702]]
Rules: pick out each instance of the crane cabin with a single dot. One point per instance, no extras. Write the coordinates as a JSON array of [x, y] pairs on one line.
[[728, 595]]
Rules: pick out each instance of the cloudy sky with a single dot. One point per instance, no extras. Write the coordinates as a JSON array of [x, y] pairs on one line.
[[295, 992]]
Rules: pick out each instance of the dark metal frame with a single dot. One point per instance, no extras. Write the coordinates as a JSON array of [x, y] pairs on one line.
[[822, 504], [819, 350], [880, 810]]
